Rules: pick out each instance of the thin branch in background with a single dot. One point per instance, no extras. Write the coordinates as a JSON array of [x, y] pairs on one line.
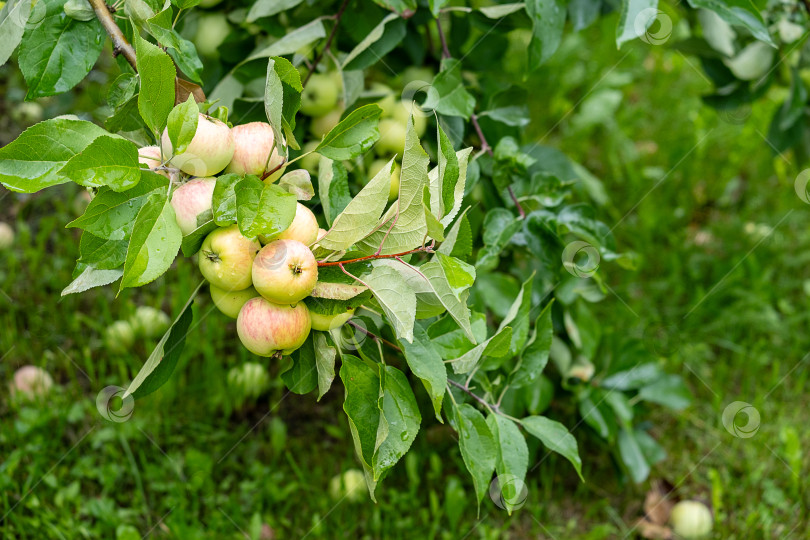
[[488, 149], [445, 49], [119, 41], [375, 337], [318, 59], [423, 249], [473, 395]]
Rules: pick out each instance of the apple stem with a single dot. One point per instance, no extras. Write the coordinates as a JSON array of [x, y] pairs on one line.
[[317, 61], [423, 249], [120, 43], [488, 149]]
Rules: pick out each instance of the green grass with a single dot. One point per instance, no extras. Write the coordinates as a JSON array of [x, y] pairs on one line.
[[723, 301]]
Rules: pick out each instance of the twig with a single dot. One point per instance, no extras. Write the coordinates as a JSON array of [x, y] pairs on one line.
[[424, 249], [119, 41], [317, 61], [473, 395], [375, 337], [488, 149], [445, 50]]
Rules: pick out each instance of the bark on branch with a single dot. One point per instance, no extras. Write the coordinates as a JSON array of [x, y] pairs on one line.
[[119, 41]]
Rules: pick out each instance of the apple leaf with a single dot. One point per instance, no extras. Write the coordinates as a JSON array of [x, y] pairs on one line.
[[182, 124], [325, 362], [31, 162], [450, 97], [336, 291], [107, 161], [395, 297], [512, 459], [58, 52], [627, 29], [447, 194], [496, 347], [548, 21], [282, 94], [434, 227], [157, 73], [292, 41], [299, 183], [379, 42], [268, 8], [477, 445], [401, 414], [518, 317], [458, 241], [155, 241], [736, 15], [354, 135], [193, 241], [102, 253], [182, 51], [161, 363], [534, 358], [262, 208], [555, 437], [224, 199], [361, 216], [333, 188], [426, 363], [301, 377], [13, 17], [92, 277]]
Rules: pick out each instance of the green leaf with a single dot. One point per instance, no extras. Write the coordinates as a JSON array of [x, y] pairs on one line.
[[336, 291], [669, 391], [458, 242], [450, 97], [282, 95], [518, 317], [632, 456], [13, 18], [735, 14], [379, 42], [535, 357], [193, 241], [58, 52], [299, 183], [361, 216], [261, 208], [434, 227], [495, 347], [555, 437], [395, 297], [516, 115], [182, 124], [361, 380], [183, 51], [107, 161], [292, 41], [92, 277], [354, 135], [478, 447], [500, 225], [102, 253], [324, 362], [635, 18], [548, 21], [302, 376], [402, 419], [512, 462], [122, 89], [157, 73], [224, 199], [30, 162], [155, 241], [333, 190], [444, 201], [501, 11], [426, 363], [268, 8], [449, 278], [159, 366], [448, 174], [126, 117]]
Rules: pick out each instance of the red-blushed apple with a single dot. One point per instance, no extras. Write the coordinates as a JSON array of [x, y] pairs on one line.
[[192, 203], [150, 156], [266, 328], [254, 143], [209, 151], [230, 302], [304, 228], [226, 258], [329, 322], [30, 382], [285, 271]]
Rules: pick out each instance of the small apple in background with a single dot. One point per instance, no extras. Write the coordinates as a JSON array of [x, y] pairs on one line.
[[376, 166], [208, 3], [119, 337], [209, 151], [150, 156], [349, 486], [248, 381], [311, 160], [81, 201], [226, 258], [212, 29], [321, 234], [192, 203], [329, 322], [403, 111], [230, 302], [266, 328], [303, 228], [150, 322], [6, 236], [30, 382], [285, 271], [392, 138], [691, 520], [253, 145], [320, 95], [323, 124], [416, 73]]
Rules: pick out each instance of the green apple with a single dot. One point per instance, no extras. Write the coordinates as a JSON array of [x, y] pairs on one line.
[[212, 29], [30, 382], [402, 112], [376, 166], [208, 3], [304, 228], [226, 259], [350, 486], [416, 73], [285, 271], [230, 302], [310, 161], [320, 95], [249, 380], [150, 156], [322, 125], [691, 519], [329, 322], [119, 337], [392, 138], [253, 145], [6, 236], [192, 203], [265, 328], [150, 322], [209, 151]]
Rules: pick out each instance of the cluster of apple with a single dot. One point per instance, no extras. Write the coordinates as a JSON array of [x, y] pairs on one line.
[[146, 322], [261, 281]]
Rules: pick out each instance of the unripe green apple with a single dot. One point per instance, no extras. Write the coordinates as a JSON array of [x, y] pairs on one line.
[[119, 336], [226, 259], [416, 73], [230, 302], [691, 519], [392, 138], [265, 328], [150, 156], [150, 322], [6, 236], [249, 380], [350, 486], [402, 112], [376, 166], [209, 151], [212, 29], [27, 113], [329, 322], [30, 382], [310, 161], [285, 271], [320, 95], [253, 144], [208, 3], [192, 203], [323, 124], [303, 228]]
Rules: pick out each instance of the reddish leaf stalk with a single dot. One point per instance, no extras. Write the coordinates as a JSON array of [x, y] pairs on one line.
[[423, 249]]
